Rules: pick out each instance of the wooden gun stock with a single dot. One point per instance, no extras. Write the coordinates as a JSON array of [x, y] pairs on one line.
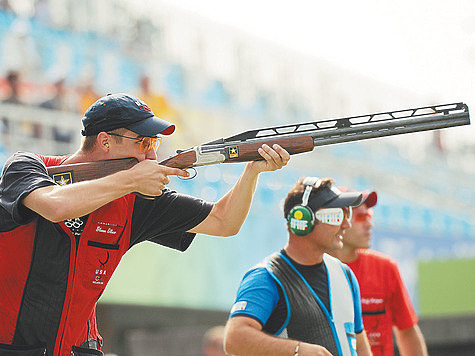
[[78, 172], [247, 152], [182, 160]]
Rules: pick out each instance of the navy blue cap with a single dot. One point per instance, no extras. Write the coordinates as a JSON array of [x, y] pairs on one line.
[[334, 198], [115, 111]]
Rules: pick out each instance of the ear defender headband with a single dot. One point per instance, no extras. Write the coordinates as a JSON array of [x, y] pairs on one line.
[[301, 218]]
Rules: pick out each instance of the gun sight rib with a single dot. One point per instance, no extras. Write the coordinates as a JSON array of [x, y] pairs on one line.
[[384, 124]]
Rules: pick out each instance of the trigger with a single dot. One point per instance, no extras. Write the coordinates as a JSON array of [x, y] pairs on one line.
[[191, 176]]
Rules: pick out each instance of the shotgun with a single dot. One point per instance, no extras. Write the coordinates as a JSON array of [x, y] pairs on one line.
[[295, 138]]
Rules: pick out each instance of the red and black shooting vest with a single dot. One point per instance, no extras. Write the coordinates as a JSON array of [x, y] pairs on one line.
[[50, 282]]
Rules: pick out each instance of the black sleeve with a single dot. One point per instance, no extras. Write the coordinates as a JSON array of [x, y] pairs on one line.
[[165, 219], [22, 173]]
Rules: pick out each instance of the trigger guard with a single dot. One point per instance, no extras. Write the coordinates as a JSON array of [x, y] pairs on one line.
[[190, 176]]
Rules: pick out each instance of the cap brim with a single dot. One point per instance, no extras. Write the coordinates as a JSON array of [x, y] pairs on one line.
[[369, 198], [152, 127], [345, 199]]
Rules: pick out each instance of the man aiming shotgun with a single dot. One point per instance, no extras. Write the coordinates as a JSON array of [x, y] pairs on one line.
[[60, 244]]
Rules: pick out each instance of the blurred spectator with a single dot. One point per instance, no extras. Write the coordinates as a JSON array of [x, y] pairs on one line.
[[87, 96], [13, 84], [158, 103], [161, 107], [213, 341], [59, 102], [15, 97]]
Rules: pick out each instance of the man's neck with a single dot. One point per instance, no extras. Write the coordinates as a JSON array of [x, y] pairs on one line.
[[81, 156], [303, 255], [346, 254]]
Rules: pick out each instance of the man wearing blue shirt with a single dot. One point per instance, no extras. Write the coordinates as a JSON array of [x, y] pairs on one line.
[[301, 301]]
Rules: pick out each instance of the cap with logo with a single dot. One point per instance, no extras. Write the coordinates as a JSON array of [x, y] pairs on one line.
[[120, 110]]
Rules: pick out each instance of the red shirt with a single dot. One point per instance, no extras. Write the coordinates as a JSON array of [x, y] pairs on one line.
[[384, 299]]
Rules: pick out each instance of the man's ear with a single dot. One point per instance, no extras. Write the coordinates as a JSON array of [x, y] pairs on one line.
[[103, 140]]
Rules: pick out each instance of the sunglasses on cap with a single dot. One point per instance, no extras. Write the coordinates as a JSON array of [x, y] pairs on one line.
[[146, 143], [334, 216]]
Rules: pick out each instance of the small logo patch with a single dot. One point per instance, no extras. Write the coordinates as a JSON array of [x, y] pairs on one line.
[[63, 178], [233, 151], [142, 106], [298, 215], [99, 276], [101, 272], [239, 306]]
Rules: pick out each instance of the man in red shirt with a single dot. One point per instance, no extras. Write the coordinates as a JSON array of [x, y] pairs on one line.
[[384, 297]]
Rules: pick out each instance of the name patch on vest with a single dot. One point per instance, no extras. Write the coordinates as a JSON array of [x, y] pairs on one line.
[[107, 228]]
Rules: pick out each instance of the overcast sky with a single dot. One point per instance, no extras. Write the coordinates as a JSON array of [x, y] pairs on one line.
[[408, 42]]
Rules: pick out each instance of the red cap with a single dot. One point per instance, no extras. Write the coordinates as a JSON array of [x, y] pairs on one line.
[[370, 198]]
